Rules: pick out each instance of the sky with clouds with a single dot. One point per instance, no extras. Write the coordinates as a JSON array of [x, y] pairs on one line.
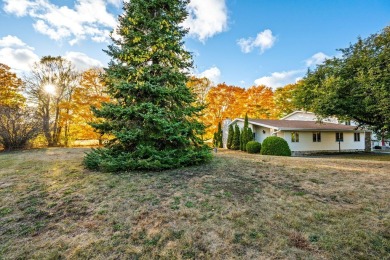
[[239, 42]]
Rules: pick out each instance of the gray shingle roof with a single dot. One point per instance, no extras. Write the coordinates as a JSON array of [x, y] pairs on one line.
[[301, 125]]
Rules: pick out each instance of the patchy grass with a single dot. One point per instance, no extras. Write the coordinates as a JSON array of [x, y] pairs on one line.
[[238, 206], [374, 156]]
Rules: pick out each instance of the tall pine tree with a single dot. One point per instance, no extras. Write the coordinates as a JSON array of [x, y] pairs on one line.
[[230, 137], [236, 138], [244, 134], [151, 115]]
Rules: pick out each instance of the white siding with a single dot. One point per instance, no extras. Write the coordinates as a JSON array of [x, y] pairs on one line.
[[258, 130], [240, 124], [225, 131], [260, 136], [306, 144], [328, 142]]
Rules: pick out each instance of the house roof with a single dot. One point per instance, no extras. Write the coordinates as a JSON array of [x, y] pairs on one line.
[[285, 125], [297, 112]]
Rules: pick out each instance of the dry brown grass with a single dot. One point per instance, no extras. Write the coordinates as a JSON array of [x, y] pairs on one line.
[[239, 206]]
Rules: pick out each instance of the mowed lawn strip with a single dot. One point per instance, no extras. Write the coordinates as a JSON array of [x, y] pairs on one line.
[[238, 206]]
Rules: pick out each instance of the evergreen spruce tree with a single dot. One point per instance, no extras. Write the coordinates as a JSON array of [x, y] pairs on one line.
[[236, 138], [230, 137], [241, 135], [249, 135], [245, 138], [151, 116], [215, 139], [220, 136]]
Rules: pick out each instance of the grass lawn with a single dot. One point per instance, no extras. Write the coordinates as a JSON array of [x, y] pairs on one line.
[[239, 206]]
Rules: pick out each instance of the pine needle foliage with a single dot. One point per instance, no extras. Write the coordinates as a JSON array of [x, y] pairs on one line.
[[236, 138], [230, 137], [152, 113], [246, 134], [249, 135]]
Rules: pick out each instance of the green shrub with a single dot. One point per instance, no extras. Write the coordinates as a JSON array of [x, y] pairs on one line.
[[253, 147], [273, 145]]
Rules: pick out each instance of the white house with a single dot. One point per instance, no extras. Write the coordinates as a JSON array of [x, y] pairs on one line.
[[304, 134]]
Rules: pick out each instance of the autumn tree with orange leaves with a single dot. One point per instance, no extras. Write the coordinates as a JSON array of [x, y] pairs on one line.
[[50, 87], [10, 87], [259, 103], [91, 92], [18, 123], [223, 102]]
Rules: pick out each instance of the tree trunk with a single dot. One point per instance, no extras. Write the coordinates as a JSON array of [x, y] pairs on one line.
[[46, 126], [56, 128]]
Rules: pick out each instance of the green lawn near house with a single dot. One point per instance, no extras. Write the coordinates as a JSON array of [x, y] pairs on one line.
[[239, 206]]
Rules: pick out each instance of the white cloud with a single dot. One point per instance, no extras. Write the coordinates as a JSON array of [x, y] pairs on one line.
[[16, 54], [13, 41], [206, 18], [20, 57], [264, 40], [213, 74], [81, 61], [55, 34], [279, 79], [88, 18], [18, 7], [91, 19], [317, 59]]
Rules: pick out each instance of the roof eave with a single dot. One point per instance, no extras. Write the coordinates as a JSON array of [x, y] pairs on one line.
[[319, 130]]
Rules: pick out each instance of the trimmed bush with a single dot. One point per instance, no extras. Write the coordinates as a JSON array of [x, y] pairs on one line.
[[253, 147], [273, 145]]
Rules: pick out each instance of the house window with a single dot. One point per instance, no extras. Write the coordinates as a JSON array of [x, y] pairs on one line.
[[317, 137], [295, 137], [356, 137], [339, 137], [348, 122], [254, 136]]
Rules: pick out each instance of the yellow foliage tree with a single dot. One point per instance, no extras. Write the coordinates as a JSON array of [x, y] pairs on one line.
[[283, 98], [223, 102], [200, 87], [91, 92], [259, 102], [10, 87]]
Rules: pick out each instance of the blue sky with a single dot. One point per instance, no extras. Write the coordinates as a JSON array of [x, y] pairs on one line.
[[239, 42]]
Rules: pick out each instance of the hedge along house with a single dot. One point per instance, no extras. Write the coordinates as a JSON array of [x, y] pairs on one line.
[[307, 135]]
